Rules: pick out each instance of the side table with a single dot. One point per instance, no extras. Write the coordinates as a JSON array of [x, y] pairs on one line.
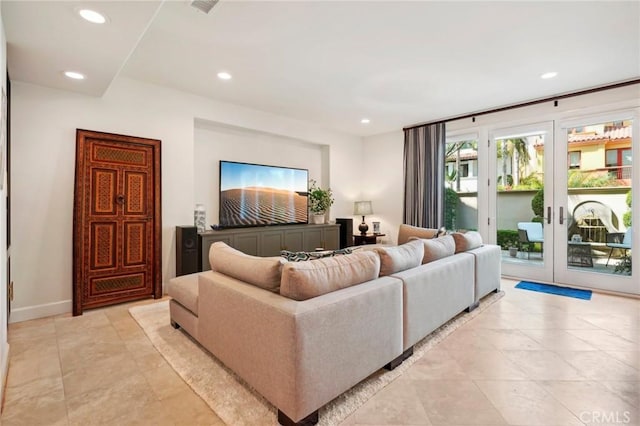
[[359, 239], [579, 254]]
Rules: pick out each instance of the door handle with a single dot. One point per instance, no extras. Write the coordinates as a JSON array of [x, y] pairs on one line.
[[561, 216], [549, 215], [120, 199]]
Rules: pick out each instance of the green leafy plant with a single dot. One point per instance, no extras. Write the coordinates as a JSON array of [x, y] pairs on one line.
[[530, 182], [450, 208], [624, 265], [626, 217], [319, 199], [580, 179], [507, 238], [537, 205]]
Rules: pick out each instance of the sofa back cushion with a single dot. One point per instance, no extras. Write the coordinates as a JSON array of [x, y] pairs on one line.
[[400, 258], [467, 241], [407, 231], [437, 248], [263, 272], [311, 278]]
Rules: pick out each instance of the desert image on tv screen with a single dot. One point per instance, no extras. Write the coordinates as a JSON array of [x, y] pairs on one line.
[[255, 195]]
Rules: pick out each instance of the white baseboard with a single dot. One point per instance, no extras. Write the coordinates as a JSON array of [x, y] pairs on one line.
[[40, 311], [4, 370]]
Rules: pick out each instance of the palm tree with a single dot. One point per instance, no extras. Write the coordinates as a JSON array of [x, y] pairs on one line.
[[516, 152], [456, 147]]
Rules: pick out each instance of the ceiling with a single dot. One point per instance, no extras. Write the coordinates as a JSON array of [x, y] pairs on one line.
[[332, 62]]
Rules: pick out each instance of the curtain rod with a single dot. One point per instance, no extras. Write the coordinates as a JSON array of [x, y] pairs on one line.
[[529, 103]]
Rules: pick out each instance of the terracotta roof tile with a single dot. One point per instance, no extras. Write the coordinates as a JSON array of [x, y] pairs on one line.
[[620, 133]]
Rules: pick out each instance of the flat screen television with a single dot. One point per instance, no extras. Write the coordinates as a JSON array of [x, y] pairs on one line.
[[260, 195]]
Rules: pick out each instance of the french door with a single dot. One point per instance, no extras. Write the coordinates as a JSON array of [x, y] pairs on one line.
[[593, 226], [560, 201], [520, 167]]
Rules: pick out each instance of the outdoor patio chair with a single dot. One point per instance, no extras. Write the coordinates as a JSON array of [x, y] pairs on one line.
[[619, 240], [530, 233]]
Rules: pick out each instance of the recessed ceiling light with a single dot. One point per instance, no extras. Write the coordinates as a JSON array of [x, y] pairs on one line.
[[74, 75], [224, 75], [92, 16], [365, 121], [547, 75]]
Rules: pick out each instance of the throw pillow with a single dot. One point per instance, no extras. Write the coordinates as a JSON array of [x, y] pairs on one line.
[[400, 258], [437, 248], [312, 278], [467, 241], [406, 231], [263, 272], [299, 256]]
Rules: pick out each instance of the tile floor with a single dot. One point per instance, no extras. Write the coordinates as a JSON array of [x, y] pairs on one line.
[[529, 359]]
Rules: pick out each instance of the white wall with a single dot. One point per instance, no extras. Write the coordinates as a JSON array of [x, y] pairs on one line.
[[383, 182], [43, 157], [383, 173], [214, 143], [4, 345]]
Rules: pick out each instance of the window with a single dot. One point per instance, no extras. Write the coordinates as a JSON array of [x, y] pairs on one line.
[[619, 161], [574, 159], [464, 170], [611, 158], [461, 182]]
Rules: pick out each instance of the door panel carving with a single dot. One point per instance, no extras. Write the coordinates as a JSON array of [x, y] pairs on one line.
[[103, 245], [134, 243], [103, 190], [117, 221], [136, 189]]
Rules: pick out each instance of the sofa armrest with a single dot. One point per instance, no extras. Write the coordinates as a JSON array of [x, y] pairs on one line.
[[434, 293], [300, 354], [487, 269]]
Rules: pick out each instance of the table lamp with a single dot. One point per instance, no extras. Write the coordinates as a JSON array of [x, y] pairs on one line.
[[362, 208]]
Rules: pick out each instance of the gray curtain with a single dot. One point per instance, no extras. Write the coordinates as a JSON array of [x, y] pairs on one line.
[[424, 149]]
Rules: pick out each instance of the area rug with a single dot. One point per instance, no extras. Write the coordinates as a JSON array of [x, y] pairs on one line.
[[554, 289], [234, 401]]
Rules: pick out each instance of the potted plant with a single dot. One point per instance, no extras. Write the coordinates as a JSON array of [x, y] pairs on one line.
[[319, 201]]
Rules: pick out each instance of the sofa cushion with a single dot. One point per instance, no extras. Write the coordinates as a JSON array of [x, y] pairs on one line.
[[263, 272], [437, 248], [299, 256], [400, 258], [407, 231], [467, 240], [184, 290], [304, 280]]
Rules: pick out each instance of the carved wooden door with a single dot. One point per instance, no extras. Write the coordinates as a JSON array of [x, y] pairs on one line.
[[117, 222]]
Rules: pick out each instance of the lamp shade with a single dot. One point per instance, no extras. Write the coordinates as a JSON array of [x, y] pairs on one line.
[[362, 208]]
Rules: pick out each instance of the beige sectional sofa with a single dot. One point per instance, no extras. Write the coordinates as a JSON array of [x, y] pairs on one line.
[[332, 322]]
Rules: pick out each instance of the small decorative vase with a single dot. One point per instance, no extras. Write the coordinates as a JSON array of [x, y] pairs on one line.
[[200, 217], [317, 218]]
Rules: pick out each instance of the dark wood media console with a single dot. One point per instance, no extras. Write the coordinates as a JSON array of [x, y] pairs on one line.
[[269, 240]]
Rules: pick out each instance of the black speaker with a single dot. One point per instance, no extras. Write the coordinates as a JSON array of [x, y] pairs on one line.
[[186, 250], [346, 232]]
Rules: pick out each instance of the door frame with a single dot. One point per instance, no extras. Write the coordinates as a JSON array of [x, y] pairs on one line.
[[78, 211]]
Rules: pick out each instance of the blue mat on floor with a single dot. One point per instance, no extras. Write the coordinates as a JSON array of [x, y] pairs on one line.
[[554, 289]]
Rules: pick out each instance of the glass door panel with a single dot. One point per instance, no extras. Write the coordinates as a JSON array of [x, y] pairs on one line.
[[520, 203], [461, 183], [595, 233]]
